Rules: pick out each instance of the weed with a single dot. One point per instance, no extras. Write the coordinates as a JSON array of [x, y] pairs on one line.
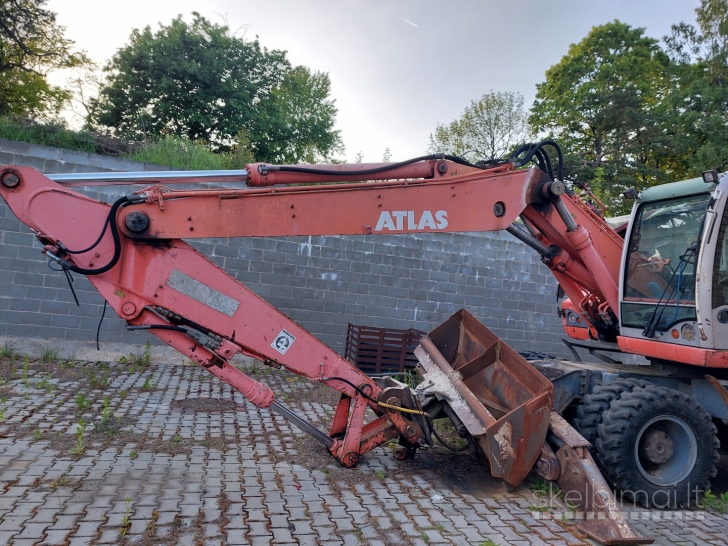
[[48, 355], [437, 526], [716, 503], [107, 423], [425, 538], [122, 394], [26, 362], [44, 382], [411, 378], [68, 364], [60, 482], [177, 438], [488, 542], [535, 508], [2, 414], [148, 385], [143, 360], [380, 474], [38, 434], [133, 454], [6, 351], [325, 470], [79, 448], [82, 402], [126, 520], [177, 522]]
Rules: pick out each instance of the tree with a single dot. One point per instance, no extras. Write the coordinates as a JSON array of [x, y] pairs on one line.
[[605, 103], [202, 82], [32, 44], [701, 96], [490, 128]]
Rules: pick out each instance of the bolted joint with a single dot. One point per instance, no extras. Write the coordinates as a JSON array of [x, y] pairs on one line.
[[10, 179], [137, 221]]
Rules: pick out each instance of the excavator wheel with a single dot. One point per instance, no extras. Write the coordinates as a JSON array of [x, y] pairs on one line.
[[658, 446], [589, 412]]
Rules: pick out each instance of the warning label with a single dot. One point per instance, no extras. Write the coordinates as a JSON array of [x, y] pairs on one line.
[[283, 342]]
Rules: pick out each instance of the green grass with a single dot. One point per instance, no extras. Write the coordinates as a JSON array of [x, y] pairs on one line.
[[47, 134], [172, 151]]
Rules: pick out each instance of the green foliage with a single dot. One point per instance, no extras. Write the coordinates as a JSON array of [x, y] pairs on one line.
[[604, 102], [48, 355], [201, 82], [711, 501], [184, 154], [6, 351], [490, 128], [31, 45], [701, 93], [79, 448], [83, 403], [50, 133], [142, 361]]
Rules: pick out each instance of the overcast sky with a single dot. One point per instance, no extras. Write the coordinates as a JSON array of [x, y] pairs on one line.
[[397, 67]]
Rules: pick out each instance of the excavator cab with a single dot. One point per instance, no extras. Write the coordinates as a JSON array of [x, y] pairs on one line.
[[670, 286]]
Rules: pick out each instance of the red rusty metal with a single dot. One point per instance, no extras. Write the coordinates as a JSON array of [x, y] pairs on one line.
[[596, 511], [461, 203], [489, 378], [142, 280]]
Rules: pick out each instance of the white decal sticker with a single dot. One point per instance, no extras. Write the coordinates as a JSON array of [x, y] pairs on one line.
[[283, 342], [394, 220]]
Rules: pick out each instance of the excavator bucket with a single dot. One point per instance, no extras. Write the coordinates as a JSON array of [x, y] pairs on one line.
[[505, 404], [503, 401]]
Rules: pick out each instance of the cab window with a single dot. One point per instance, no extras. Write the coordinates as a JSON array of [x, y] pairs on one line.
[[659, 265]]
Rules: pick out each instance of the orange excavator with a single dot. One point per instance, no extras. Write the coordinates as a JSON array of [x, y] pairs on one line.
[[654, 285]]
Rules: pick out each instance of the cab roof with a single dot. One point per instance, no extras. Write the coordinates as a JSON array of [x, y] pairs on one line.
[[675, 189]]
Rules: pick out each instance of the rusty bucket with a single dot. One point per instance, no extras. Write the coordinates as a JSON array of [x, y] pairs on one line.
[[503, 401]]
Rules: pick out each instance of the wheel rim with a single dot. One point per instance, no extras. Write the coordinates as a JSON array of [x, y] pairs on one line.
[[666, 450]]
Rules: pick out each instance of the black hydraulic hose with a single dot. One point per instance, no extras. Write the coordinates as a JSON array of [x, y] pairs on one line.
[[95, 244], [376, 170], [156, 327], [542, 157], [110, 221], [357, 389]]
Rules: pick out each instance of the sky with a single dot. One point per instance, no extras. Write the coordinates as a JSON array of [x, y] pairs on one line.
[[397, 67]]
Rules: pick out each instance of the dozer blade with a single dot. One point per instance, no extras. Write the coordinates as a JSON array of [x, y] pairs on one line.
[[505, 405], [502, 400]]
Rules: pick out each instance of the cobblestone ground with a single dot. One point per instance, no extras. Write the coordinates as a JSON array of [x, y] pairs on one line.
[[139, 453]]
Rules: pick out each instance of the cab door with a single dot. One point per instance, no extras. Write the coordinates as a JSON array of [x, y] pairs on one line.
[[717, 246]]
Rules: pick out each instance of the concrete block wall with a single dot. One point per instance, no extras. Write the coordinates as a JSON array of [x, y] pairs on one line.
[[399, 281]]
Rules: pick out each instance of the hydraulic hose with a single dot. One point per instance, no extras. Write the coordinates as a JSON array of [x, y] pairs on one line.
[[376, 170], [110, 221]]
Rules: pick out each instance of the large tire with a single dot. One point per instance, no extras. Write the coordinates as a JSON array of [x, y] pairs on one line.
[[658, 446], [589, 412]]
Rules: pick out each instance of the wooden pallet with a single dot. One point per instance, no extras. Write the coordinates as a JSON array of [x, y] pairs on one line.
[[382, 350]]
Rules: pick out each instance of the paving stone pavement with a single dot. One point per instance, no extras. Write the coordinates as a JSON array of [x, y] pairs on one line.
[[193, 463]]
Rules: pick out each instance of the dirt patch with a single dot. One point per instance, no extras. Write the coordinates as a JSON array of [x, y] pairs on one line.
[[206, 405]]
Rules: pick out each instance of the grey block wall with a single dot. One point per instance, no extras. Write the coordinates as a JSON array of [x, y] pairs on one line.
[[400, 281]]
